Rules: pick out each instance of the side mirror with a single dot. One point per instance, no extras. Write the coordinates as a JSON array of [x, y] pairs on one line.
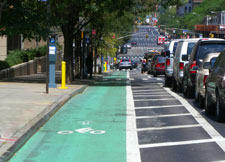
[[184, 57], [207, 65], [195, 68]]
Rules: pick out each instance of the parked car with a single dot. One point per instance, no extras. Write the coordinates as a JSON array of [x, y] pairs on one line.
[[201, 76], [201, 49], [153, 62], [169, 61], [215, 88], [128, 45], [125, 64], [159, 66], [184, 47]]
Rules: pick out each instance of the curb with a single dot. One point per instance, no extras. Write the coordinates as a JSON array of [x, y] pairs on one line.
[[29, 129]]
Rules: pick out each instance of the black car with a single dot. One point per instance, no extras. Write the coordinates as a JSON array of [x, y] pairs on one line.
[[134, 64], [199, 52], [215, 88]]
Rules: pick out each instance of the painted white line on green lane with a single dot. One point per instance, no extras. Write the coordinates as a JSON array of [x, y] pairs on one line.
[[133, 152], [202, 121], [153, 90]]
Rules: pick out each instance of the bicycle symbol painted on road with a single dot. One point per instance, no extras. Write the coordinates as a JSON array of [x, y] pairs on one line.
[[82, 131]]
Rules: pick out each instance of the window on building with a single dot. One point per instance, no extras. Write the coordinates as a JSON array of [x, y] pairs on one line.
[[189, 1], [185, 10], [189, 9]]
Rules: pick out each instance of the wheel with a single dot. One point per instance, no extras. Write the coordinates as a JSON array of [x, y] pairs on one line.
[[190, 92], [184, 88], [208, 104], [120, 69], [154, 75], [141, 71], [167, 82], [174, 84], [201, 101], [130, 68], [220, 113], [196, 95], [179, 87]]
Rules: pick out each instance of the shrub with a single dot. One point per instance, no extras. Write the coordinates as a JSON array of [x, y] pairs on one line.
[[19, 56], [3, 65]]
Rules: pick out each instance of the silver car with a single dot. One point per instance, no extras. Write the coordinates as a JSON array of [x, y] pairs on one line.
[[169, 61], [201, 77], [184, 47], [125, 64]]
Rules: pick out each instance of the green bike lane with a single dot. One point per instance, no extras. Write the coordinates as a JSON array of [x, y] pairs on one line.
[[89, 127]]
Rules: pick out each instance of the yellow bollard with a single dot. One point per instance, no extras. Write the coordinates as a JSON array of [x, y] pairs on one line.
[[105, 66], [63, 79]]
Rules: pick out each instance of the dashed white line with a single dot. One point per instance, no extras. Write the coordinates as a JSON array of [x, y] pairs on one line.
[[156, 107], [181, 143], [163, 116], [144, 78], [168, 127], [198, 117], [164, 99], [153, 90]]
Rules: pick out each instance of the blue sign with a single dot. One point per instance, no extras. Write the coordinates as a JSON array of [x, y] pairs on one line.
[[87, 40]]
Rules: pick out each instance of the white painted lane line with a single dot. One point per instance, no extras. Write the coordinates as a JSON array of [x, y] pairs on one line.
[[144, 78], [131, 78], [149, 77], [181, 143], [203, 122], [164, 99], [105, 79], [152, 90], [118, 79], [149, 95], [168, 127], [158, 79], [163, 116], [133, 152], [156, 107], [143, 93]]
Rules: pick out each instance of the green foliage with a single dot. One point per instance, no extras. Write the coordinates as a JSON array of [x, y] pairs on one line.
[[3, 65], [19, 56]]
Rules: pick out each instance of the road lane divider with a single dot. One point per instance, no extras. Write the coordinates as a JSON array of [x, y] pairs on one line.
[[166, 144], [133, 152], [164, 99], [168, 127], [163, 116], [157, 107], [201, 120]]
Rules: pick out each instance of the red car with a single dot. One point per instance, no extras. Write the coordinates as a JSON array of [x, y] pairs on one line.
[[159, 66]]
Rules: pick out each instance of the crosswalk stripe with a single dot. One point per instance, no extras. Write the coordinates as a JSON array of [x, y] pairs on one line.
[[163, 116]]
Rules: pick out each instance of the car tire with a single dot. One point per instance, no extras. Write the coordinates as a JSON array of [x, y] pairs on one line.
[[174, 84], [201, 101], [208, 104], [154, 75], [220, 113], [120, 69], [184, 88], [130, 68], [179, 87], [190, 92], [167, 82]]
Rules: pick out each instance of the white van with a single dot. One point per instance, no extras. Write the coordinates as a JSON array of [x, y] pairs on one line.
[[184, 47]]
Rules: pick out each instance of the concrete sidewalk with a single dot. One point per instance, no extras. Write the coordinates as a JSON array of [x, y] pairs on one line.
[[24, 108]]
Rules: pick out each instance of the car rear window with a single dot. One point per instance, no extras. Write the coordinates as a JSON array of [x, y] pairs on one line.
[[125, 60], [174, 47], [213, 60], [205, 49], [161, 59], [190, 47]]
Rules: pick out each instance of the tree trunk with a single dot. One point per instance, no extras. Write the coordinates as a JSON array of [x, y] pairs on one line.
[[68, 50], [77, 54]]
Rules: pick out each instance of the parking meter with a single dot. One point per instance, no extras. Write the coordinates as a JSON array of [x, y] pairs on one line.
[[52, 59]]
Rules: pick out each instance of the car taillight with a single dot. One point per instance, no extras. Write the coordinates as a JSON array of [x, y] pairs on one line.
[[129, 60], [192, 65], [157, 65], [204, 79], [181, 66], [168, 62], [120, 61]]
